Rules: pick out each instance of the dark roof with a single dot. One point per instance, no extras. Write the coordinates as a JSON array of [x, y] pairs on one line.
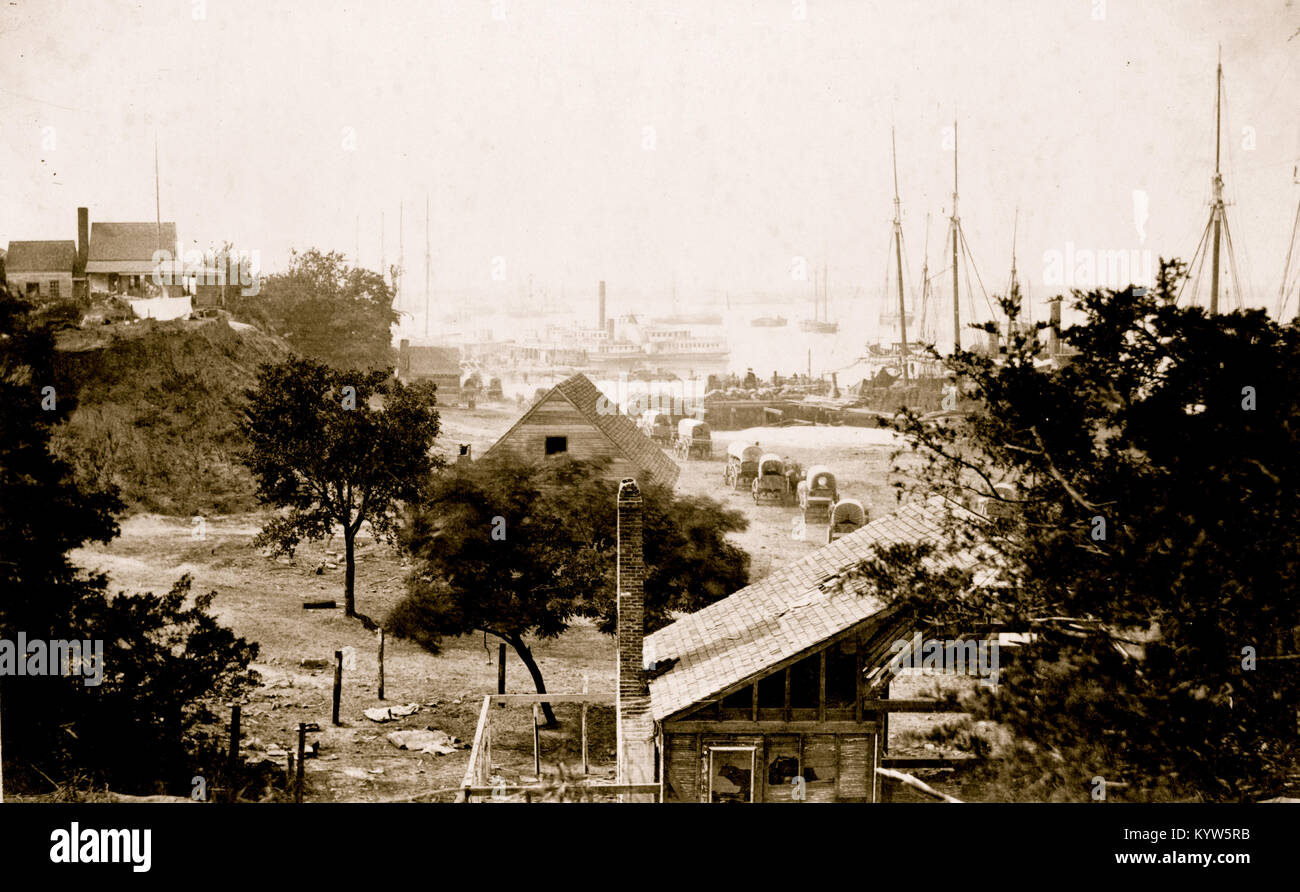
[[621, 430], [788, 612], [49, 256], [433, 361], [129, 241]]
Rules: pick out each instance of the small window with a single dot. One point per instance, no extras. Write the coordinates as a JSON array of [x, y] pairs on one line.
[[54, 288], [731, 774], [556, 445]]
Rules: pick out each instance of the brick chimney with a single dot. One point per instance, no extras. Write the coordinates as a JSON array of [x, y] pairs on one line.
[[601, 315], [83, 241], [635, 727], [80, 284]]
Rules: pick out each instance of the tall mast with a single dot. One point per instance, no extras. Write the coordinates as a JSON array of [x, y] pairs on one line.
[[157, 200], [1014, 287], [955, 228], [898, 255], [383, 260], [401, 253], [826, 290], [1217, 233], [1218, 189], [427, 267], [925, 279], [1290, 251], [817, 290]]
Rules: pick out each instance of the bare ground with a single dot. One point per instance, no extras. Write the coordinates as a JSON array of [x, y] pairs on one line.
[[261, 598]]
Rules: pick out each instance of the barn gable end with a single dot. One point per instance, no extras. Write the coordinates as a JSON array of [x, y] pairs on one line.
[[591, 428]]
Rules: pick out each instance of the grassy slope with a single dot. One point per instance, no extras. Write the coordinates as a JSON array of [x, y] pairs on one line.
[[157, 411]]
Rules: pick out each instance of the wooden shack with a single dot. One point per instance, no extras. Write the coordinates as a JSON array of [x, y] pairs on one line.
[[779, 681], [441, 365], [575, 419]]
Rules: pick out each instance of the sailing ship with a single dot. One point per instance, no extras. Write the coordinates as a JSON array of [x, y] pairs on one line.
[[821, 298], [768, 322]]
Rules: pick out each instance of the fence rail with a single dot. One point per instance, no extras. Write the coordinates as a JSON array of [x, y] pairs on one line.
[[477, 779], [572, 791], [480, 753]]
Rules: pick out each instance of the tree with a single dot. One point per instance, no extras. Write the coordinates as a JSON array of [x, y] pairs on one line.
[[1149, 539], [161, 659], [337, 448], [519, 550], [326, 310]]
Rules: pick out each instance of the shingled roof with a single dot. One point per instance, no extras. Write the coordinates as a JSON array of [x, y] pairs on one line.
[[618, 428], [433, 361], [128, 247], [41, 257], [789, 611]]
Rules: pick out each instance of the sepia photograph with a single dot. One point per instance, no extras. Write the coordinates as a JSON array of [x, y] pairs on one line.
[[626, 403]]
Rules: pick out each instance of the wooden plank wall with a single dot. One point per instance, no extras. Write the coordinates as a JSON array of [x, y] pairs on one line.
[[842, 765], [556, 417]]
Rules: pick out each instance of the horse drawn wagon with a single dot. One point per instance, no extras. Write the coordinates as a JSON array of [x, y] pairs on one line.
[[847, 515], [694, 439], [771, 484], [817, 492], [742, 464], [658, 426]]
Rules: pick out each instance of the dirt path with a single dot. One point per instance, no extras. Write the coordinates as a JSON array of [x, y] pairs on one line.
[[261, 599]]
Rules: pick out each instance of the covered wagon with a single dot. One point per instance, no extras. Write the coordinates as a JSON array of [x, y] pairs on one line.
[[771, 484], [658, 426], [694, 439], [817, 492], [847, 515], [742, 464]]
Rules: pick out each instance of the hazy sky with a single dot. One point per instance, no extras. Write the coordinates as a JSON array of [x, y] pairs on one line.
[[526, 125]]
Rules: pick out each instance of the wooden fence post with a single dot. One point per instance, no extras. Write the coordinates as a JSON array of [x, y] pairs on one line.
[[338, 683], [302, 757], [232, 762], [584, 725], [501, 669], [381, 662], [537, 746]]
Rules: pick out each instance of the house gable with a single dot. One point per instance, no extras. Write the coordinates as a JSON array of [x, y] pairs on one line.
[[572, 409]]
